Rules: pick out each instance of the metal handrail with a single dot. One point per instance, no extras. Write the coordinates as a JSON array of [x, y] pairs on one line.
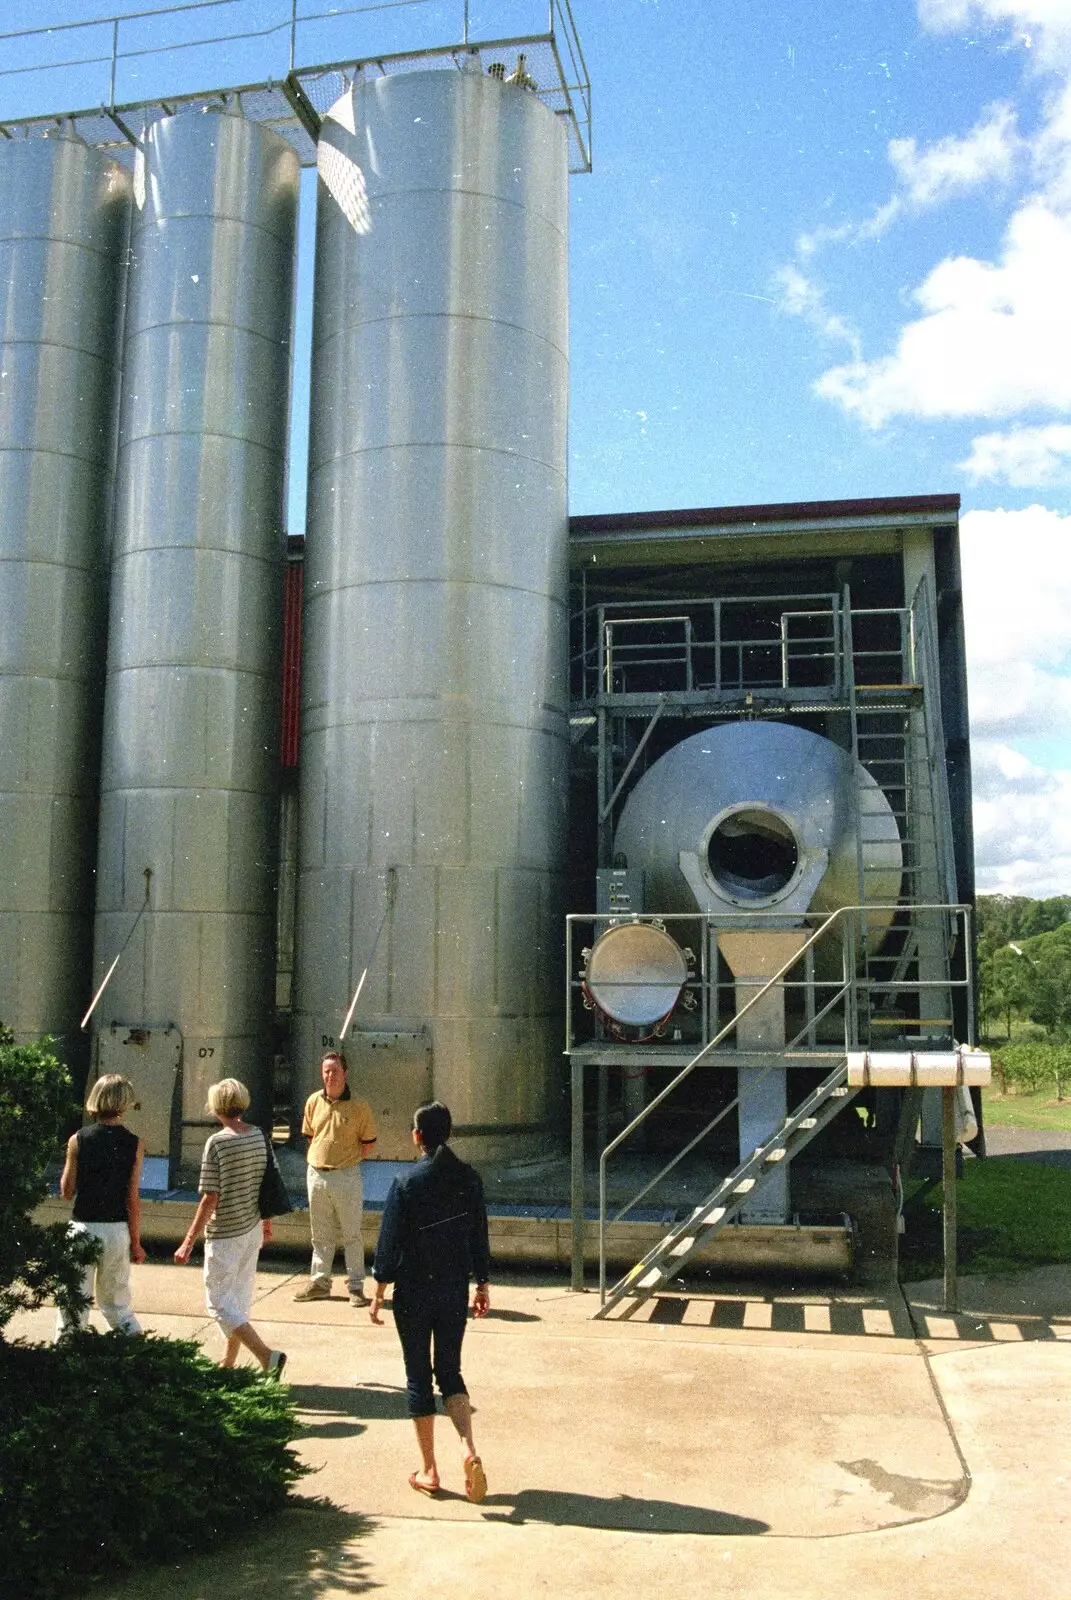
[[592, 659], [788, 1050], [844, 915], [573, 85], [686, 1071]]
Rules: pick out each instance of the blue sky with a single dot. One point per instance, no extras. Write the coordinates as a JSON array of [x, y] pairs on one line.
[[825, 251]]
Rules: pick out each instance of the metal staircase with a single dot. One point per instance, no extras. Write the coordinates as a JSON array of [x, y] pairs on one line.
[[671, 1254], [874, 674]]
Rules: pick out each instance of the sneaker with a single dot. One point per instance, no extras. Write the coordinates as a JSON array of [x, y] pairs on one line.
[[359, 1298], [276, 1363], [316, 1289]]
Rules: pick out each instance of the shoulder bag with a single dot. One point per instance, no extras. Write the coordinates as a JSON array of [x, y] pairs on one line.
[[273, 1198]]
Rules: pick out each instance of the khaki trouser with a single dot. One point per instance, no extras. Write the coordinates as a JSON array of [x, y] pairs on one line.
[[336, 1202]]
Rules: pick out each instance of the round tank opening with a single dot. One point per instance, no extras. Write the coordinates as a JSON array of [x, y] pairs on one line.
[[752, 854]]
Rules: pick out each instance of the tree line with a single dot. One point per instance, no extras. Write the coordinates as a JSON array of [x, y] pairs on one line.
[[1024, 964]]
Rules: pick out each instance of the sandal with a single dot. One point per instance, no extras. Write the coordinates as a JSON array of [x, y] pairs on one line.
[[475, 1480], [423, 1488]]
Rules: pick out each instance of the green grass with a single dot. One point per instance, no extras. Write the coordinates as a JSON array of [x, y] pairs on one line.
[[1039, 1110], [1012, 1215]]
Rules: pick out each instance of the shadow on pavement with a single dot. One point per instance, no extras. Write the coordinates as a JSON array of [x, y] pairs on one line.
[[302, 1554], [622, 1513], [346, 1409]]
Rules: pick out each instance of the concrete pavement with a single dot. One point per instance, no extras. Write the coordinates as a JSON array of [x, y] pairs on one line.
[[741, 1442], [1049, 1147]]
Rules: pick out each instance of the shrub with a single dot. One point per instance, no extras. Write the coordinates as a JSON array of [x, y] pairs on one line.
[[113, 1450], [116, 1450], [36, 1263], [1031, 1066]]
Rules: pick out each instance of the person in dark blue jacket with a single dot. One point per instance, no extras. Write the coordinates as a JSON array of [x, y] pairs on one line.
[[432, 1240]]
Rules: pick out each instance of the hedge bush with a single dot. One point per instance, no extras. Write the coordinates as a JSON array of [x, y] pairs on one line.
[[36, 1263], [1032, 1066], [116, 1450]]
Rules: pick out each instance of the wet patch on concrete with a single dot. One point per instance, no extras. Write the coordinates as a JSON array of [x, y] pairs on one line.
[[919, 1497]]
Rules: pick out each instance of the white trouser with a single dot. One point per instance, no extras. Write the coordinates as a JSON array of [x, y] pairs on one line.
[[230, 1277], [108, 1278], [336, 1202]]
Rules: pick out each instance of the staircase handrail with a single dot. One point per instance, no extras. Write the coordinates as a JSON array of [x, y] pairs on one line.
[[839, 915], [783, 1054]]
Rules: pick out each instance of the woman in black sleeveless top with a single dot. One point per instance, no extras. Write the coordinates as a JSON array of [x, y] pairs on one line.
[[102, 1175]]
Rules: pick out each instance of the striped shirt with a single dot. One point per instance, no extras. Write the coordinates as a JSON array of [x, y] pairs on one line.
[[232, 1166]]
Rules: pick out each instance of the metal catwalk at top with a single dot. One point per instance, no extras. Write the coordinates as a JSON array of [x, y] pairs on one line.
[[155, 238]]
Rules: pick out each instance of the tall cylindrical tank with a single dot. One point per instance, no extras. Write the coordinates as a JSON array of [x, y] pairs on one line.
[[190, 765], [63, 217], [435, 709]]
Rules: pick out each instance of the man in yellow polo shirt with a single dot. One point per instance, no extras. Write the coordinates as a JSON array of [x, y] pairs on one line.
[[341, 1133]]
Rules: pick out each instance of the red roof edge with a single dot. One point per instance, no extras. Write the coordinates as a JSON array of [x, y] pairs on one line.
[[793, 511]]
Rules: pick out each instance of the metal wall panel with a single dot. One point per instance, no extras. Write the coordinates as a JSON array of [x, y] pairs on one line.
[[434, 685], [190, 768], [63, 217]]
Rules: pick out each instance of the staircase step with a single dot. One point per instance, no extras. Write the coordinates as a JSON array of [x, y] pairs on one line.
[[729, 1198]]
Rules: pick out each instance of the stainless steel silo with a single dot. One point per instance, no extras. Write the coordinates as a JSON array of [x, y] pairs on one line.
[[435, 709], [190, 765], [63, 217]]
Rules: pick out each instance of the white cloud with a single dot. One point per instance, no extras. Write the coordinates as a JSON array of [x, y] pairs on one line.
[[1040, 25], [1017, 587], [992, 340], [1022, 824], [1025, 457], [1052, 151], [799, 296], [952, 166], [1017, 608], [1018, 700], [998, 770], [928, 177]]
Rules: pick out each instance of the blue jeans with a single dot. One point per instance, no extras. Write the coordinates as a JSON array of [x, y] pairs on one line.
[[431, 1319]]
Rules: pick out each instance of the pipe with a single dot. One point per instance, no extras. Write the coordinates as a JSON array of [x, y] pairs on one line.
[[108, 975], [392, 885]]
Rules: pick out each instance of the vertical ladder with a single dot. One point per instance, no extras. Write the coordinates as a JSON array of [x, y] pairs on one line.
[[897, 738]]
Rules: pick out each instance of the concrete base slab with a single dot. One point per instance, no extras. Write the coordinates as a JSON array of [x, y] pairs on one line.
[[735, 1445], [732, 1421], [1028, 1305]]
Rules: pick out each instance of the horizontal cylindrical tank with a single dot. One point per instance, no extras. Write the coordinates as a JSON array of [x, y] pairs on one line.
[[63, 218], [435, 695], [761, 816], [190, 766]]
